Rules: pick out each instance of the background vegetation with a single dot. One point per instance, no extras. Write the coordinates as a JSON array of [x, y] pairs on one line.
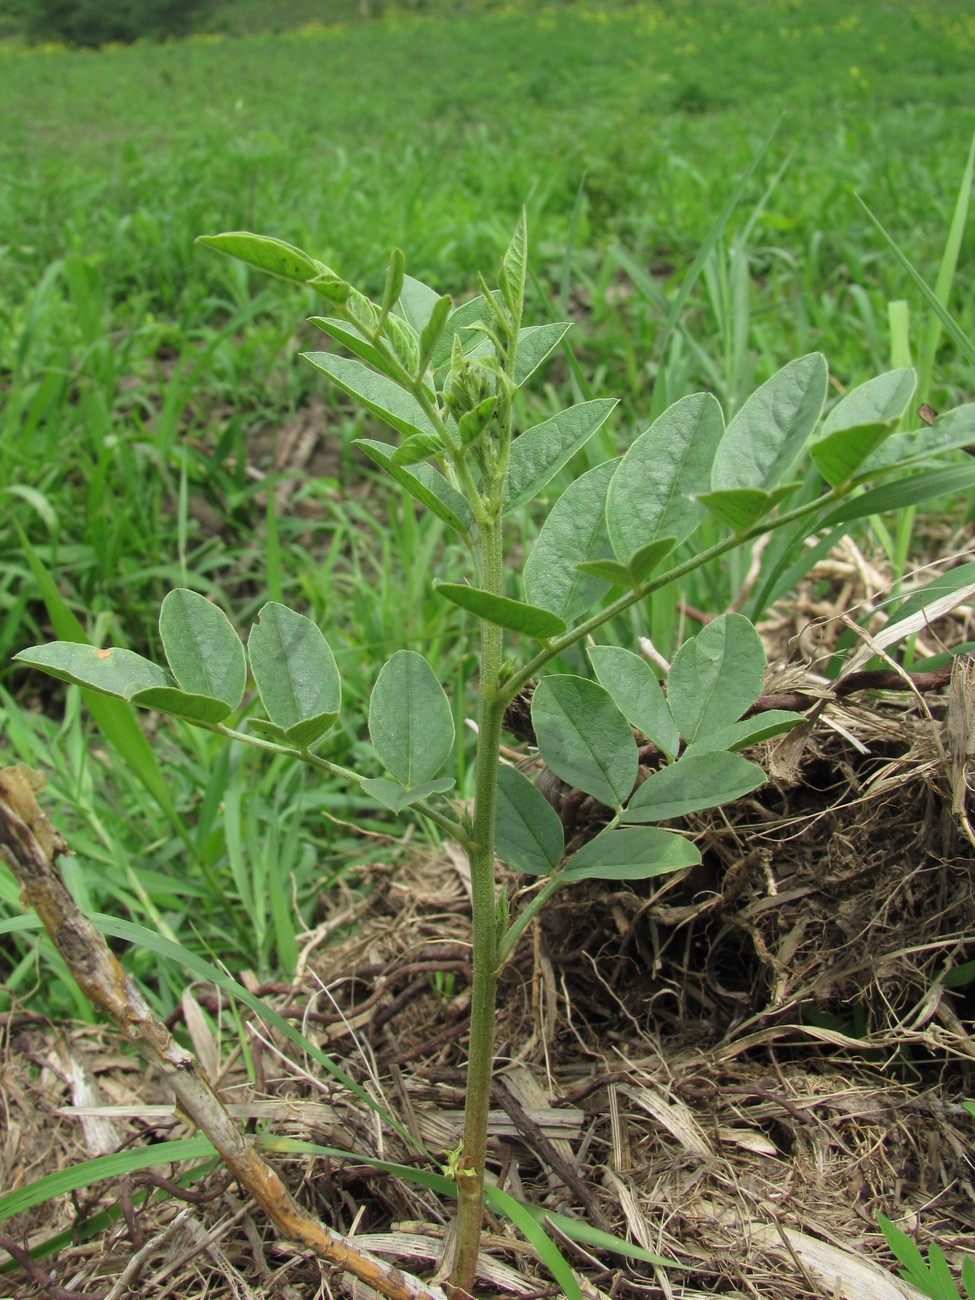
[[154, 409]]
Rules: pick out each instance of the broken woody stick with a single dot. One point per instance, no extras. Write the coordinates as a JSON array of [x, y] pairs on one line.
[[31, 846]]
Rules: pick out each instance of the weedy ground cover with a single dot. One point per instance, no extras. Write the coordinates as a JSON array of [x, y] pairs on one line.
[[136, 370]]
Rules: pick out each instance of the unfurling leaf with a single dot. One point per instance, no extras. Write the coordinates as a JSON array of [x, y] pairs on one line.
[[432, 333], [514, 268], [265, 253], [419, 447], [394, 281]]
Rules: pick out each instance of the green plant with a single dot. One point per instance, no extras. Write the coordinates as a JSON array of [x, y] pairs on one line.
[[932, 1278], [86, 23], [446, 380]]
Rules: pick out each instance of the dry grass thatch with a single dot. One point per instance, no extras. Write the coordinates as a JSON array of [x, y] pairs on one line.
[[737, 1068]]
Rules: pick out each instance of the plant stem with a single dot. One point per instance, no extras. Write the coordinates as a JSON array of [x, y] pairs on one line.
[[470, 1168], [574, 634]]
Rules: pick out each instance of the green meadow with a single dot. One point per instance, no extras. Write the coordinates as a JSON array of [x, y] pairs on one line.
[[149, 386]]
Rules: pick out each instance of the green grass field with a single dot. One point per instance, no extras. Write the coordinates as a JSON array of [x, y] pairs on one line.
[[147, 382]]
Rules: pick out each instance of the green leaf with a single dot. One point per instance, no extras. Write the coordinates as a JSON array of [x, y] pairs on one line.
[[638, 694], [433, 332], [514, 615], [611, 571], [405, 343], [764, 439], [419, 447], [532, 1229], [860, 422], [417, 303], [839, 456], [574, 533], [514, 268], [964, 344], [204, 653], [882, 400], [527, 831], [653, 491], [302, 735], [411, 723], [739, 508], [265, 253], [540, 452], [749, 731], [394, 281], [119, 673], [332, 288], [631, 853], [342, 332], [715, 676], [459, 322], [904, 492], [115, 720], [295, 672], [643, 561], [378, 393], [396, 797], [473, 422], [584, 738], [424, 483], [695, 782], [951, 431], [203, 709], [86, 1173], [535, 343]]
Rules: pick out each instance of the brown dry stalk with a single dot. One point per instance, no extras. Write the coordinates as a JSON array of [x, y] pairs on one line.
[[31, 846]]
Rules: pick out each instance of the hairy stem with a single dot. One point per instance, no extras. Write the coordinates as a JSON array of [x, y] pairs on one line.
[[470, 1169]]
